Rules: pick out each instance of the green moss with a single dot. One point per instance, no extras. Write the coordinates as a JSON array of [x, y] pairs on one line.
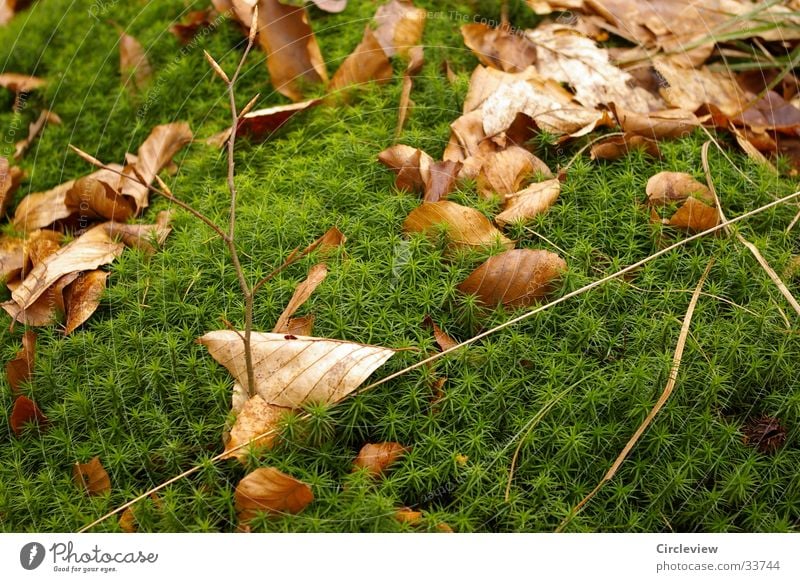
[[133, 387]]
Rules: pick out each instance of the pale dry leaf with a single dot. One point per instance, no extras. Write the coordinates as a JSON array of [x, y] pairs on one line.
[[505, 171], [377, 458], [291, 371], [269, 490], [334, 6], [618, 146], [262, 123], [411, 165], [255, 418], [34, 129], [134, 65], [316, 275], [91, 477], [368, 62], [145, 237], [47, 309], [82, 297], [689, 88], [24, 412], [530, 202], [19, 83], [442, 180], [498, 47], [464, 227], [416, 58], [666, 187], [515, 278], [665, 124], [20, 369], [399, 26], [15, 253], [10, 178]]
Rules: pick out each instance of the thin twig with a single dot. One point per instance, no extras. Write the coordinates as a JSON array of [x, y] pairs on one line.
[[434, 357], [673, 376]]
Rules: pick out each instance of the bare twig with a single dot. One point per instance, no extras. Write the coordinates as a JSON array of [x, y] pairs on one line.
[[673, 376]]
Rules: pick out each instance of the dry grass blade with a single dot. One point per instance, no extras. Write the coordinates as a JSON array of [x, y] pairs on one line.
[[750, 246], [673, 376]]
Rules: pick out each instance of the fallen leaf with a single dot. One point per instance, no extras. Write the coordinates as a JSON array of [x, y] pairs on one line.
[[91, 477], [500, 48], [333, 6], [444, 528], [10, 177], [771, 112], [442, 180], [416, 58], [10, 7], [567, 56], [82, 298], [462, 459], [504, 172], [328, 242], [515, 278], [619, 146], [15, 252], [25, 412], [407, 515], [316, 275], [303, 325], [145, 237], [368, 62], [133, 63], [34, 129], [665, 124], [94, 198], [194, 22], [268, 489], [529, 202], [698, 209], [87, 252], [47, 309], [411, 165], [400, 26], [465, 227], [689, 88], [376, 458], [445, 341], [293, 372], [20, 83], [262, 123], [127, 521], [20, 369], [254, 418], [695, 216]]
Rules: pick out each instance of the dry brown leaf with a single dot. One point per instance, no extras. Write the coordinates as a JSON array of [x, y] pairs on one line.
[[262, 123], [411, 165], [20, 83], [255, 418], [10, 7], [464, 227], [127, 521], [565, 55], [407, 515], [47, 309], [15, 252], [327, 243], [368, 62], [376, 458], [25, 412], [400, 26], [268, 489], [34, 129], [194, 22], [504, 172], [133, 63], [10, 177], [529, 202], [666, 187], [416, 58], [515, 278], [445, 341], [689, 88], [20, 369], [498, 47], [42, 209], [695, 216], [442, 180], [316, 275], [333, 6], [772, 112], [91, 477], [142, 236], [666, 124], [87, 252], [619, 146], [96, 198], [294, 370], [303, 325], [82, 298]]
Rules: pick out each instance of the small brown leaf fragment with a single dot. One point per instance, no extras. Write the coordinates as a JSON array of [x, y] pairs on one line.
[[619, 146], [416, 60], [400, 26], [262, 123], [368, 62], [695, 216], [667, 187], [82, 298], [376, 458], [194, 22], [91, 477], [133, 63], [255, 418], [765, 433], [445, 341], [142, 236], [268, 489], [327, 243], [665, 124], [504, 172], [25, 412], [10, 177], [10, 7], [127, 521], [498, 47], [20, 83], [333, 6], [406, 515], [465, 227], [34, 129], [442, 180], [303, 325], [529, 202], [411, 165], [515, 278], [316, 275], [444, 528], [20, 369]]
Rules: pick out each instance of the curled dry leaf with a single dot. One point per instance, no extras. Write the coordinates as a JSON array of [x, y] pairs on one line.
[[10, 7], [195, 21], [498, 47], [34, 129], [303, 325], [133, 63], [411, 165], [698, 211], [695, 216], [20, 83], [16, 253], [368, 62], [445, 341], [665, 124], [504, 172], [82, 297], [294, 370], [10, 177], [145, 237], [515, 278], [254, 419], [262, 123], [327, 243], [98, 199], [268, 489], [567, 56], [20, 369], [316, 275], [529, 202], [689, 88], [442, 180], [465, 227], [25, 412], [333, 6], [619, 146], [406, 515], [416, 58], [376, 458], [91, 477], [400, 26]]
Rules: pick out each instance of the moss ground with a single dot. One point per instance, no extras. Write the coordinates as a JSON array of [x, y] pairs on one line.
[[133, 387]]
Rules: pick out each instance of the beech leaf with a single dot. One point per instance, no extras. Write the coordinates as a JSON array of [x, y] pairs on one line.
[[262, 123], [368, 62], [504, 172], [82, 298], [34, 129], [445, 341], [618, 146], [376, 458], [25, 412], [529, 202], [253, 419], [10, 177], [465, 227], [698, 211], [20, 369], [91, 477], [268, 489], [133, 63], [400, 26], [316, 275], [499, 48], [20, 83]]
